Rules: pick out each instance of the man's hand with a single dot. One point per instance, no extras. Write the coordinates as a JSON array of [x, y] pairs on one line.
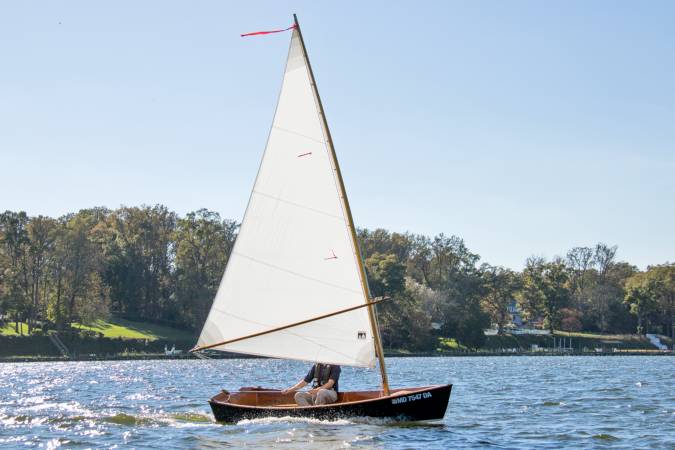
[[314, 391], [299, 385]]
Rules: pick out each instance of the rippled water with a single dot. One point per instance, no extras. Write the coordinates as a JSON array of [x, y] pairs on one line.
[[502, 402]]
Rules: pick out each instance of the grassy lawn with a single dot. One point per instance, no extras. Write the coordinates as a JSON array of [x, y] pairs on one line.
[[610, 337], [121, 328], [9, 329], [579, 340], [451, 344], [116, 328], [632, 341]]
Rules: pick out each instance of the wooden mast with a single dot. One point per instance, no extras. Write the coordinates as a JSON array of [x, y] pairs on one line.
[[350, 220]]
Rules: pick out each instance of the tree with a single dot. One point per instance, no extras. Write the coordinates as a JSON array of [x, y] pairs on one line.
[[501, 286], [651, 297], [386, 275], [570, 319], [81, 294], [139, 255], [40, 233], [530, 297], [604, 258], [203, 243], [641, 300], [383, 242], [402, 322], [580, 261], [420, 257], [605, 310], [14, 245], [663, 277], [545, 290]]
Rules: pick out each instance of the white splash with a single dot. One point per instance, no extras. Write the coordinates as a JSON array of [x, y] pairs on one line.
[[289, 419]]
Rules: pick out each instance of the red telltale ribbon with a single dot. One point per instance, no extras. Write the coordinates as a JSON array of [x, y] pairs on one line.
[[258, 33]]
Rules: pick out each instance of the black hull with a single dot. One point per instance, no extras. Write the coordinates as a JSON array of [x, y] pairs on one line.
[[429, 403]]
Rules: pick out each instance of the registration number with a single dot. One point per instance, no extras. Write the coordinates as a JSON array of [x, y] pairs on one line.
[[410, 398]]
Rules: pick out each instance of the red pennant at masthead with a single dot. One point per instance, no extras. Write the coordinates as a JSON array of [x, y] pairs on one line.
[[257, 33]]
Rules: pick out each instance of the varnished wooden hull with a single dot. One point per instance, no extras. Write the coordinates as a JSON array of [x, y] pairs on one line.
[[411, 404]]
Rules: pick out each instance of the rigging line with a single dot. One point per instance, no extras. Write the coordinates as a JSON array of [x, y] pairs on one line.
[[284, 327], [273, 266], [299, 134], [298, 205]]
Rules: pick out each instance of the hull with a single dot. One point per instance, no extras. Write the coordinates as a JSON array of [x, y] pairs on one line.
[[412, 404]]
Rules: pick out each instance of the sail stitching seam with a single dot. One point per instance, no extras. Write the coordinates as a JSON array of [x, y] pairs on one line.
[[334, 328], [298, 205], [299, 134], [296, 274]]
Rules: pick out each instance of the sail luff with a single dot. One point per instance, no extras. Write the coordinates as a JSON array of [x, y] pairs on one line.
[[348, 213]]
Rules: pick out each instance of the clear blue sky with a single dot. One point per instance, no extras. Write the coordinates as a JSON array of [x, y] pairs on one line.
[[525, 127]]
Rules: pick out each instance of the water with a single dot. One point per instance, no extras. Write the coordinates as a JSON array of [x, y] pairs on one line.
[[499, 402]]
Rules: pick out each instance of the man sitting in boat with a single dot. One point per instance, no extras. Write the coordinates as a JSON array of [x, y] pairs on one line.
[[324, 379]]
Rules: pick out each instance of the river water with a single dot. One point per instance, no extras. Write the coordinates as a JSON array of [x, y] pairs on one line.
[[500, 402]]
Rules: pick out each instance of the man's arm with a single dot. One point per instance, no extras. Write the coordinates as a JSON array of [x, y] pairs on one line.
[[329, 385], [299, 385]]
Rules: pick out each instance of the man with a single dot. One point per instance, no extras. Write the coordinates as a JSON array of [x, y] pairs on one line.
[[324, 387]]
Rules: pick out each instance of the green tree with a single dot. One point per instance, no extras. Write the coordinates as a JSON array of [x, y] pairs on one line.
[[386, 275], [40, 233], [664, 283], [640, 298], [580, 261], [203, 243], [14, 245], [402, 322], [500, 286], [651, 297], [383, 242], [545, 290], [139, 261], [80, 292]]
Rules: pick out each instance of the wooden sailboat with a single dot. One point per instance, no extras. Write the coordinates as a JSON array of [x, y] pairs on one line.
[[295, 286]]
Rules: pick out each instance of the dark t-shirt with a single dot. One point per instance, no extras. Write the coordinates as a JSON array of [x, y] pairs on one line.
[[334, 375]]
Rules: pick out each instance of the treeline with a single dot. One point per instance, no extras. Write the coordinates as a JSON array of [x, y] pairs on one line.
[[439, 284], [147, 263], [143, 264]]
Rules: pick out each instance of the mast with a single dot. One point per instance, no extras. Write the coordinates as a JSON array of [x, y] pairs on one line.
[[350, 221]]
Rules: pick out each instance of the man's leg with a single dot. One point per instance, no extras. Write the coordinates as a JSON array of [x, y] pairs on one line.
[[303, 399], [325, 396]]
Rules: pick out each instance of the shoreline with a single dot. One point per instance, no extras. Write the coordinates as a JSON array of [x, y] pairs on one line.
[[152, 357]]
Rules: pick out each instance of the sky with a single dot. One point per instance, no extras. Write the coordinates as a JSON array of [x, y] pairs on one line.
[[524, 127]]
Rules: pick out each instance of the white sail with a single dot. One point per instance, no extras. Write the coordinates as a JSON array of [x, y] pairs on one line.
[[294, 258]]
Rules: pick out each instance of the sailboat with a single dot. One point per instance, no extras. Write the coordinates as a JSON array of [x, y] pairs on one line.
[[295, 286]]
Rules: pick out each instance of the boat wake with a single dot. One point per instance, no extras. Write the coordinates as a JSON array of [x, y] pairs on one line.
[[377, 421], [289, 419]]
